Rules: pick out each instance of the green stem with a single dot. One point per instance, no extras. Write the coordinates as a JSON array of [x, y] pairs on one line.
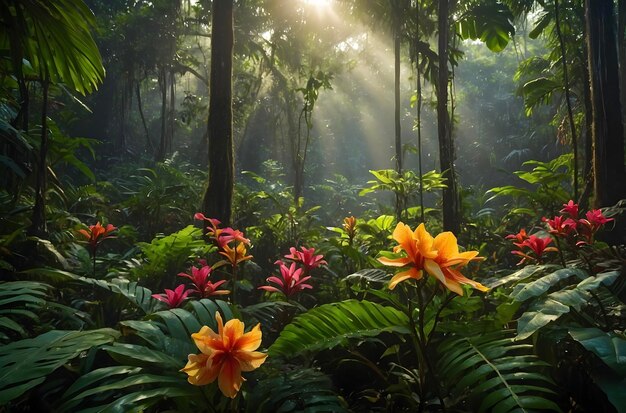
[[602, 309], [94, 263], [417, 344], [558, 245]]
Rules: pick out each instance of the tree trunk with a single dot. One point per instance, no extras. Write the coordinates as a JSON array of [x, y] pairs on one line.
[[451, 210], [218, 197], [160, 154], [38, 222], [149, 146], [621, 45], [608, 131], [395, 10]]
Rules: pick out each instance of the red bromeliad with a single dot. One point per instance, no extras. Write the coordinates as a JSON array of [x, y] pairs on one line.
[[174, 298], [291, 283], [520, 237], [537, 245], [96, 234]]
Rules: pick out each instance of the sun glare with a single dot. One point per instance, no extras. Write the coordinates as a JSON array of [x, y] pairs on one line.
[[318, 3]]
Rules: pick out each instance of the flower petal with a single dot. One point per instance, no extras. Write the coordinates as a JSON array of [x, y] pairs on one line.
[[230, 379], [395, 262], [249, 341], [405, 275]]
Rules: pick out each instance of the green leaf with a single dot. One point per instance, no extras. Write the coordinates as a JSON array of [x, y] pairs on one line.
[[300, 390], [334, 324], [26, 363], [543, 284], [370, 275], [141, 356], [609, 347], [540, 315]]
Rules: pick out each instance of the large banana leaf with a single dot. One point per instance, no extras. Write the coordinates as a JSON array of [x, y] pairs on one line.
[[25, 364], [334, 324], [554, 305]]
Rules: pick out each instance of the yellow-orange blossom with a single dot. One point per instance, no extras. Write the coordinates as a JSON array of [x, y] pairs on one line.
[[224, 355], [439, 256]]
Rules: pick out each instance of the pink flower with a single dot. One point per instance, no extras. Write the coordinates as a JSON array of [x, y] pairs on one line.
[[213, 230], [290, 284], [589, 226], [596, 218], [560, 226], [202, 286], [228, 234], [307, 257], [174, 298], [570, 209]]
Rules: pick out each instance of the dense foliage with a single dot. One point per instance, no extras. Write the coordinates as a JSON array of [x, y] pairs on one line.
[[334, 284]]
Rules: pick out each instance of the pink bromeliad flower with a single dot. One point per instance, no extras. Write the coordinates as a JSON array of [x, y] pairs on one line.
[[228, 234], [588, 226], [290, 284], [570, 209], [306, 257], [560, 226], [174, 298], [201, 284]]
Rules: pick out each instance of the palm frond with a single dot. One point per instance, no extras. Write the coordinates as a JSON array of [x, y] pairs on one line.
[[334, 324], [495, 373], [25, 364], [296, 391]]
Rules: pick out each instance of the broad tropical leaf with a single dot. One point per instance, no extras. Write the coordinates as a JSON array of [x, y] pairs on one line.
[[553, 306], [334, 324], [25, 364], [609, 347]]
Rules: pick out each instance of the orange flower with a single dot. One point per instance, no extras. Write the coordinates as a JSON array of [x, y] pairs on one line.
[[448, 259], [235, 255], [224, 355], [439, 256], [349, 225], [96, 234], [418, 247]]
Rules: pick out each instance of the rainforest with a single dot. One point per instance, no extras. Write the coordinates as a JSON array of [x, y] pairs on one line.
[[312, 206]]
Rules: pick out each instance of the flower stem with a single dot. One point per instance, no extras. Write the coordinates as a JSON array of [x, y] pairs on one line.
[[558, 245]]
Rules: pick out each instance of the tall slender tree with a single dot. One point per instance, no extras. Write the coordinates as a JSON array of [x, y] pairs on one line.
[[218, 197], [451, 208]]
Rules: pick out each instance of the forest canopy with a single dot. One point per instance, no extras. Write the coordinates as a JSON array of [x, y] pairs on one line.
[[312, 205]]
